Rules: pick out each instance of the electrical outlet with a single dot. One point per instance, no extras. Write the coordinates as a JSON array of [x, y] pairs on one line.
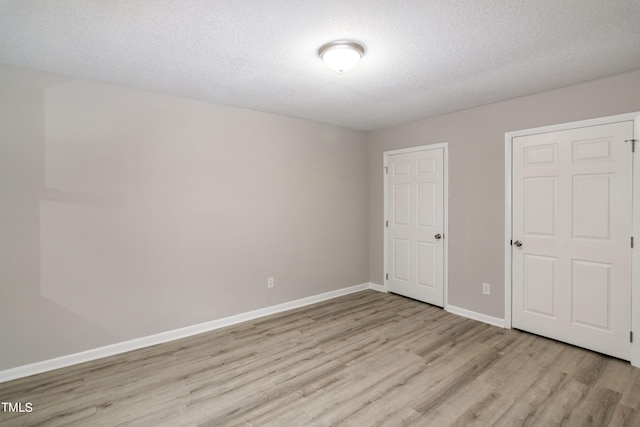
[[486, 289], [270, 282]]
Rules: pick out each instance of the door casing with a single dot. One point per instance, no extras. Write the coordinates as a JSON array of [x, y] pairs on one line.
[[635, 264], [385, 156]]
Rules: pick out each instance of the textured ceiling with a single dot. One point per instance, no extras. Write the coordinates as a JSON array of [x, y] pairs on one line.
[[423, 58]]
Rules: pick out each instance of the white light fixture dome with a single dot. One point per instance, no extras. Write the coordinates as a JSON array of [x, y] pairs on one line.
[[341, 55]]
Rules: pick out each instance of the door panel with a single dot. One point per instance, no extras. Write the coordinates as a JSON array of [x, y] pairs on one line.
[[539, 285], [415, 182], [401, 204], [591, 205], [591, 292], [540, 206], [427, 204], [427, 261], [401, 260], [572, 212]]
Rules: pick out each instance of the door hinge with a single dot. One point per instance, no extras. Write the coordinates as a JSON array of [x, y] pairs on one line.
[[631, 242], [633, 144], [511, 242], [630, 336], [386, 276], [386, 169], [386, 223]]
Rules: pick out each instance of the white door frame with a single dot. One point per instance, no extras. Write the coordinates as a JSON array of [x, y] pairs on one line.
[[445, 240], [635, 257]]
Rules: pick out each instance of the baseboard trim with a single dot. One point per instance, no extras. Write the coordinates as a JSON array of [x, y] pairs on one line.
[[495, 321], [138, 343], [377, 287]]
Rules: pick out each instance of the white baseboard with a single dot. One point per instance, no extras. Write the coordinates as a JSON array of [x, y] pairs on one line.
[[138, 343], [376, 287], [495, 321]]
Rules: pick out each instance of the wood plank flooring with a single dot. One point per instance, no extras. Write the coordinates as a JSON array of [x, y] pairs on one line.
[[365, 359]]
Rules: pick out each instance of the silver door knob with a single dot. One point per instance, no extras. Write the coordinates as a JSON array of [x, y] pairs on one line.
[[438, 236], [517, 243]]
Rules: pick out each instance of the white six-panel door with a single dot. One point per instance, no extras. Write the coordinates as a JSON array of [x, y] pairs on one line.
[[571, 229], [415, 224]]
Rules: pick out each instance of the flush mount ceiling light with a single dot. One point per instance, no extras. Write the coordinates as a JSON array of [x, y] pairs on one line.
[[341, 55]]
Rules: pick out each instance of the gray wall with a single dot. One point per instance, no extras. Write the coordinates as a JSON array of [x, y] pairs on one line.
[[476, 171], [127, 213]]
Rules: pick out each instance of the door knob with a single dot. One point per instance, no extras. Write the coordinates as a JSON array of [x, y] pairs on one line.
[[517, 243], [438, 236]]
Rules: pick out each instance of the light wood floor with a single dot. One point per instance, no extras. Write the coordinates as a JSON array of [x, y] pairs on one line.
[[361, 360]]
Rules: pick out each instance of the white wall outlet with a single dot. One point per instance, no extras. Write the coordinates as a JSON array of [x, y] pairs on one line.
[[486, 289], [270, 282]]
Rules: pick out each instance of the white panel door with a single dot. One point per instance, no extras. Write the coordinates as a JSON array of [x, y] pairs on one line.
[[572, 207], [415, 225]]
